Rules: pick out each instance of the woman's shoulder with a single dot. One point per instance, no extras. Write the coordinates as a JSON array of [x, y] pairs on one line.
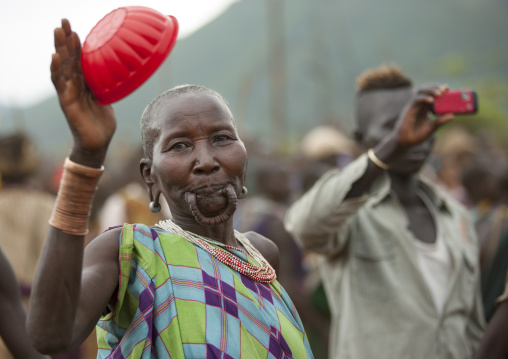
[[144, 234], [266, 247], [132, 227], [106, 241], [115, 237]]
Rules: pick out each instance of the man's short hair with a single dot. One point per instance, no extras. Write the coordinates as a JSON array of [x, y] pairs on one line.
[[381, 78], [149, 133]]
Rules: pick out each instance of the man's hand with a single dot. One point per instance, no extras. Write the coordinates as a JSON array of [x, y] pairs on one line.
[[414, 124]]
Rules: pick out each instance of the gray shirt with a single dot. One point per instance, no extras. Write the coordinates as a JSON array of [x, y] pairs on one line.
[[381, 304]]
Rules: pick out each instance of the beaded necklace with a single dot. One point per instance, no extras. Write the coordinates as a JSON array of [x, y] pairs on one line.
[[263, 273]]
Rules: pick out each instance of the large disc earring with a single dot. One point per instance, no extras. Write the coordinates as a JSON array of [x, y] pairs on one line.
[[244, 192], [154, 206]]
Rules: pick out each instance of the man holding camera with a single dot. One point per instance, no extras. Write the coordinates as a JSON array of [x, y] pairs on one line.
[[399, 256]]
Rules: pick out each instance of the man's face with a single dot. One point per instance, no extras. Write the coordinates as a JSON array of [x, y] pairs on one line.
[[377, 116]]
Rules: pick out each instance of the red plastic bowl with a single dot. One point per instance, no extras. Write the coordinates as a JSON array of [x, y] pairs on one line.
[[124, 49]]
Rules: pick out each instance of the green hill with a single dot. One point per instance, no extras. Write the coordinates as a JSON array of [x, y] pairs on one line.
[[327, 44]]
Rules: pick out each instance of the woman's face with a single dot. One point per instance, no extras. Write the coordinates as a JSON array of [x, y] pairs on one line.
[[198, 151]]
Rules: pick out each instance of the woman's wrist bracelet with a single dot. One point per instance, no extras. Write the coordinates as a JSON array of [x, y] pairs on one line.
[[372, 156], [75, 196]]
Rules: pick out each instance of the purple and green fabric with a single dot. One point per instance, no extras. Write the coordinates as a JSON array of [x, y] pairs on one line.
[[175, 300]]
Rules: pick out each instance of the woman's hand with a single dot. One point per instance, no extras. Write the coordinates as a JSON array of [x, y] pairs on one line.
[[414, 125], [92, 125]]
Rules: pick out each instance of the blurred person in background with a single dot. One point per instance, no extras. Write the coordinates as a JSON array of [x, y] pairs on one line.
[[328, 145], [486, 182], [453, 149], [481, 179], [495, 277], [323, 148], [494, 344], [401, 271], [263, 212], [24, 210]]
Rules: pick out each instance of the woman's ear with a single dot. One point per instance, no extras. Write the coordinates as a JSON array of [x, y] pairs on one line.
[[145, 167]]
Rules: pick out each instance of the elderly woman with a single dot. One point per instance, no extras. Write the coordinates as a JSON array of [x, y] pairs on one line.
[[189, 287]]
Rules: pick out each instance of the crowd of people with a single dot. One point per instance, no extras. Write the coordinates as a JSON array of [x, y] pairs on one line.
[[390, 243]]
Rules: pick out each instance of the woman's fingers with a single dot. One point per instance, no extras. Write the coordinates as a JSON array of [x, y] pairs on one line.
[[55, 71], [66, 26], [61, 43], [69, 38], [66, 64], [77, 53]]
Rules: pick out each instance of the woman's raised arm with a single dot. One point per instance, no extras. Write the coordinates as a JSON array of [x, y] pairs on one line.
[[72, 286]]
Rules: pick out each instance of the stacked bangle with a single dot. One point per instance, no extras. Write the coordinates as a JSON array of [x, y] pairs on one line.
[[75, 196], [372, 156]]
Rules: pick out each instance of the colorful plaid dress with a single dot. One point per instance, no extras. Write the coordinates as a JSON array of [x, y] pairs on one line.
[[176, 300]]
